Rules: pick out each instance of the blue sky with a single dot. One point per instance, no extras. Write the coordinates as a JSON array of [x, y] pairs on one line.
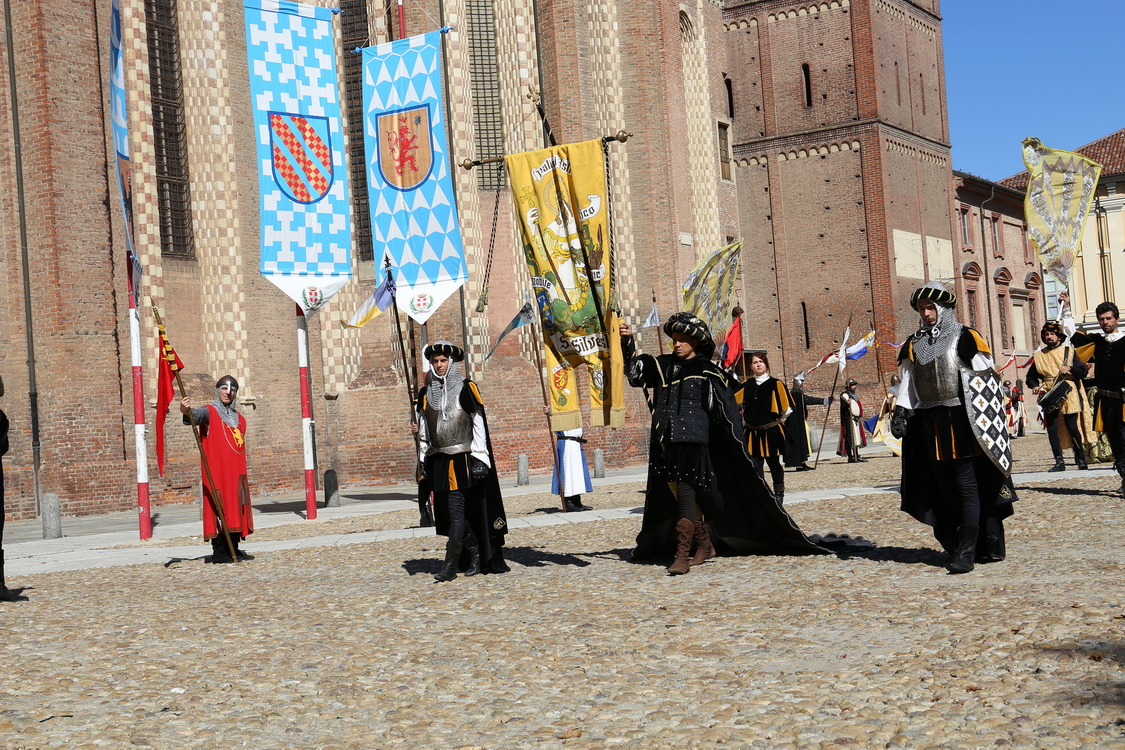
[[1019, 68]]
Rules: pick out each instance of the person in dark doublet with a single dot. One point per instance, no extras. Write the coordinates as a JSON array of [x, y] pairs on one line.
[[765, 405], [798, 436], [852, 435], [698, 462], [455, 453], [1107, 351], [948, 482]]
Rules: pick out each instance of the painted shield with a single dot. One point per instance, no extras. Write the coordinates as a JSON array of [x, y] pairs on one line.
[[302, 155], [984, 401], [406, 154]]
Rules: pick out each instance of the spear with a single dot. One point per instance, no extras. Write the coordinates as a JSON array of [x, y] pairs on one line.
[[537, 347], [835, 379], [216, 495]]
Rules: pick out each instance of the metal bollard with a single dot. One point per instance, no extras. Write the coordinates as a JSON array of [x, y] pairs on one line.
[[331, 489], [599, 463], [521, 470], [51, 511]]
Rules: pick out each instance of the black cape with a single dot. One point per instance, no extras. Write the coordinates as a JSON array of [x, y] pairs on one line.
[[741, 514], [484, 506], [798, 441], [919, 489]]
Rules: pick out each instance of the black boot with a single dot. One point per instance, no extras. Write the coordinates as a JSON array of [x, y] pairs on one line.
[[473, 546], [449, 571], [779, 490], [966, 551], [1060, 465], [220, 552], [426, 518], [241, 554], [1080, 458], [6, 594], [574, 504], [1120, 466]]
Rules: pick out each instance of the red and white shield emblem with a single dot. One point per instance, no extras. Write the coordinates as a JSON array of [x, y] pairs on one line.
[[302, 156], [406, 154], [312, 298]]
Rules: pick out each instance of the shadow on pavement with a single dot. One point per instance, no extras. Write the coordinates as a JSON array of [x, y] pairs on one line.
[[907, 555], [534, 557], [1059, 489]]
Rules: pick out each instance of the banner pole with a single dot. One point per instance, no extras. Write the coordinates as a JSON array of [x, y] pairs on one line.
[[140, 442], [537, 347], [306, 414], [828, 411]]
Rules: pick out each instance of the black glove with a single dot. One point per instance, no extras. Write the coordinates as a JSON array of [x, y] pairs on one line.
[[478, 470], [898, 422], [828, 400], [421, 472]]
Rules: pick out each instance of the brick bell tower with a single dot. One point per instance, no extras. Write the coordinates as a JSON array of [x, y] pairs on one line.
[[840, 140]]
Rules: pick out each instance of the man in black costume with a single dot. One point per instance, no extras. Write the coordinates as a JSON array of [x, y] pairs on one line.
[[698, 459], [948, 482], [455, 452], [852, 436], [798, 436], [1107, 350]]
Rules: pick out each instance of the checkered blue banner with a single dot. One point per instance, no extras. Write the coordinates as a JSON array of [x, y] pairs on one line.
[[306, 235], [410, 188]]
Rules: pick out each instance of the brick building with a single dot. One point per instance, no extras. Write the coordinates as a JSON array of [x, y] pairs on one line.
[[816, 131], [998, 278]]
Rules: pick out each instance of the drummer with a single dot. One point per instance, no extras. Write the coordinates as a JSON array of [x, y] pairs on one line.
[[1056, 375]]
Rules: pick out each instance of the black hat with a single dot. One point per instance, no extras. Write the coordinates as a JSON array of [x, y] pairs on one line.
[[851, 382], [1051, 326], [694, 328], [444, 349], [935, 292]]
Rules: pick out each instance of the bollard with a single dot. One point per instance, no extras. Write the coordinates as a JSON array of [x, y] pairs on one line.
[[52, 516], [521, 470], [599, 463], [331, 489]]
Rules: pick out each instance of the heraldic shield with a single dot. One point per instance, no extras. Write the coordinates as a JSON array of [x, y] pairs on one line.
[[406, 153], [984, 401], [302, 156]]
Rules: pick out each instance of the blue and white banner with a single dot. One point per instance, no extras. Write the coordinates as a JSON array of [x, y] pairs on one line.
[[302, 181], [410, 188], [120, 119]]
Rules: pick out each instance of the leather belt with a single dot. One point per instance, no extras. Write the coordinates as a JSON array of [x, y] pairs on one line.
[[1107, 392], [774, 423]]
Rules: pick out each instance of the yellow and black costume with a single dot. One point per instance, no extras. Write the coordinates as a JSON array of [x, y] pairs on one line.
[[1065, 423], [765, 404]]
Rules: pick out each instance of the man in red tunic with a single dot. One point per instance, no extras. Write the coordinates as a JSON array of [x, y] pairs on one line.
[[223, 432]]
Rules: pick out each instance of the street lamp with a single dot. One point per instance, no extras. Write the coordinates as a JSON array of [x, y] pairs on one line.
[[1101, 220]]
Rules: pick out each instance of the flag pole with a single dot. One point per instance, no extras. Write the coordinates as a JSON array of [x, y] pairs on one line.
[[411, 393], [828, 411], [306, 414], [140, 442], [537, 347], [216, 494]]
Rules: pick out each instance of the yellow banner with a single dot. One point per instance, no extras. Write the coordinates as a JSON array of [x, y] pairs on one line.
[[560, 196], [1058, 200], [709, 289]]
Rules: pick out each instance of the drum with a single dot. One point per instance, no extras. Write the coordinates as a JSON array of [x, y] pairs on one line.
[[1050, 401]]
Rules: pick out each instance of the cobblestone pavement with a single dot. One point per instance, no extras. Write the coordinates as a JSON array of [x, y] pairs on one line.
[[357, 647]]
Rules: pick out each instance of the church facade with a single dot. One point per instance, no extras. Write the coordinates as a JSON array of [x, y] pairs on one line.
[[816, 132]]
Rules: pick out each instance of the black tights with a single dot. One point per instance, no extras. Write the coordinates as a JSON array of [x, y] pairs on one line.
[[458, 525], [1051, 422], [777, 471], [956, 479], [1113, 426], [685, 501]]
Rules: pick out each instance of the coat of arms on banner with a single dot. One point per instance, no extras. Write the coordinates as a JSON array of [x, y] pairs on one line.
[[406, 154], [984, 402], [302, 155]]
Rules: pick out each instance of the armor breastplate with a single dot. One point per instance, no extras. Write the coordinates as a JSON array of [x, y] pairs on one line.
[[449, 433], [680, 416], [937, 371]]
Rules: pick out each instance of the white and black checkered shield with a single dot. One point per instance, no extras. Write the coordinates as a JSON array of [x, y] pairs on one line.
[[984, 401]]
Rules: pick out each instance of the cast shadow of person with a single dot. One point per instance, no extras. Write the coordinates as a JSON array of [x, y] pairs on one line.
[[525, 557], [906, 555]]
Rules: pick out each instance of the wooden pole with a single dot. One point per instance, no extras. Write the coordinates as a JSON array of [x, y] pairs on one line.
[[216, 495], [537, 347], [828, 411]]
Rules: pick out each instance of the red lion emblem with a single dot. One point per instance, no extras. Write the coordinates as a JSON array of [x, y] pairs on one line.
[[403, 144]]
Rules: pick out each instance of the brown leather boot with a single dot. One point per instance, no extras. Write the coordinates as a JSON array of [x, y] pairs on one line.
[[703, 549], [685, 530]]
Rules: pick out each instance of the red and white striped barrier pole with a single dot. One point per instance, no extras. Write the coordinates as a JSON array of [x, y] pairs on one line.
[[144, 509], [306, 415]]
